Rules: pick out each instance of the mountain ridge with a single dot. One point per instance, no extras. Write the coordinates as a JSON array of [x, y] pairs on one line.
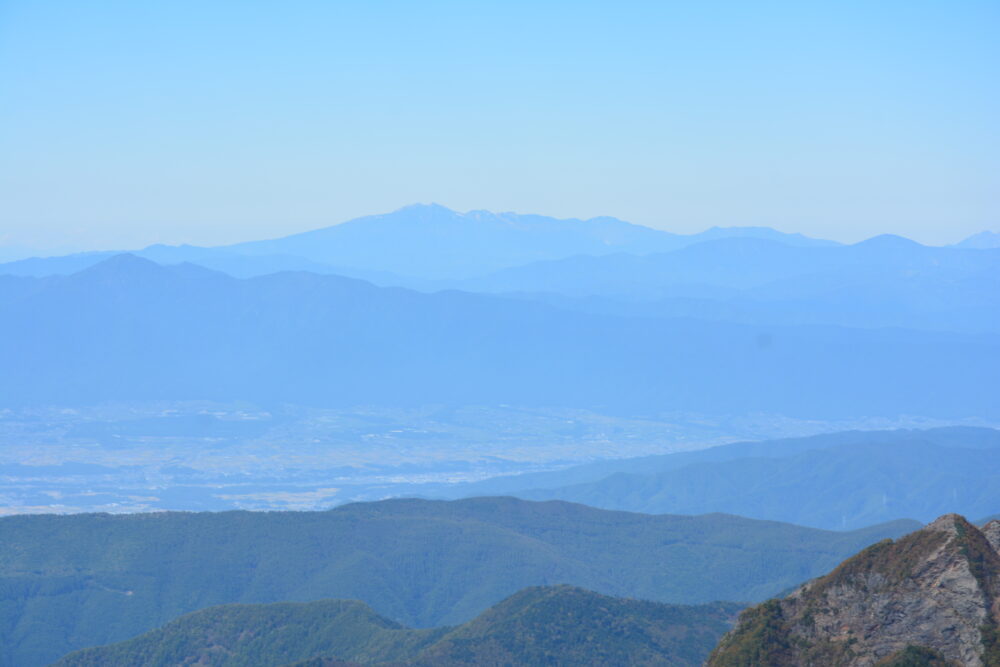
[[606, 266], [128, 330], [426, 242], [557, 625], [981, 240], [936, 590], [833, 481], [849, 486], [70, 581]]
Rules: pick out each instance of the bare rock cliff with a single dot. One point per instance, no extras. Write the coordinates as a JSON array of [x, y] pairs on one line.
[[992, 533], [930, 598]]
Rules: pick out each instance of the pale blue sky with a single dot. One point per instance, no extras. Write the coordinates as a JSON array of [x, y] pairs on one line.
[[127, 123]]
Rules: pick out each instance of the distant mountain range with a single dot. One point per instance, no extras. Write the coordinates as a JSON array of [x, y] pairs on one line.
[[130, 329], [882, 282], [421, 243], [749, 275], [981, 240], [84, 580], [558, 625], [837, 481], [433, 247], [425, 243], [733, 263], [927, 600]]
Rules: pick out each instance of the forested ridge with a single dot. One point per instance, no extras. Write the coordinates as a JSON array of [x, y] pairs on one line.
[[558, 625], [73, 581]]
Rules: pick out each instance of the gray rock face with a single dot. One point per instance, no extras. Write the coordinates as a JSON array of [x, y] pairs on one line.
[[936, 588], [992, 533]]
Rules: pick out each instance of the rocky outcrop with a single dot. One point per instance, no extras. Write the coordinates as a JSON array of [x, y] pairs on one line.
[[934, 593], [992, 533]]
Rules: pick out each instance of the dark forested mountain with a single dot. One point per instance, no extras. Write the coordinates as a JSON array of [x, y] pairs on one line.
[[558, 625], [129, 329], [265, 635], [84, 580], [837, 481], [570, 626], [931, 598]]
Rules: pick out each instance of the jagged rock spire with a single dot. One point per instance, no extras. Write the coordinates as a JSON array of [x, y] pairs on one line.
[[937, 588]]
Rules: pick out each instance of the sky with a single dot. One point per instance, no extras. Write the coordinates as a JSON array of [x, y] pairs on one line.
[[129, 123]]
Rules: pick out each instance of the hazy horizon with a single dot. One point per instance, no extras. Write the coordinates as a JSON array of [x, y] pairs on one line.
[[126, 125], [13, 252]]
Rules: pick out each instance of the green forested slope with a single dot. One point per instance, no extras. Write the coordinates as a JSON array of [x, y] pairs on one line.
[[538, 626], [837, 481], [68, 582], [570, 626], [271, 634]]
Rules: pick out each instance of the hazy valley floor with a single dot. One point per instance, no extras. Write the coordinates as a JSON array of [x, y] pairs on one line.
[[133, 457]]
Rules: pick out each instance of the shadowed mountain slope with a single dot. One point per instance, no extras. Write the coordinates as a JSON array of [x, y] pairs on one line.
[[742, 263], [605, 266], [932, 597], [84, 580], [885, 281], [129, 329], [948, 436], [538, 626], [849, 485], [836, 481]]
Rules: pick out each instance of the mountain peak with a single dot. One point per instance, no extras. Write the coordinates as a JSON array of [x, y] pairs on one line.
[[888, 241], [763, 233], [127, 268], [952, 524], [419, 207], [125, 262], [935, 589], [981, 241], [572, 626], [433, 242]]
